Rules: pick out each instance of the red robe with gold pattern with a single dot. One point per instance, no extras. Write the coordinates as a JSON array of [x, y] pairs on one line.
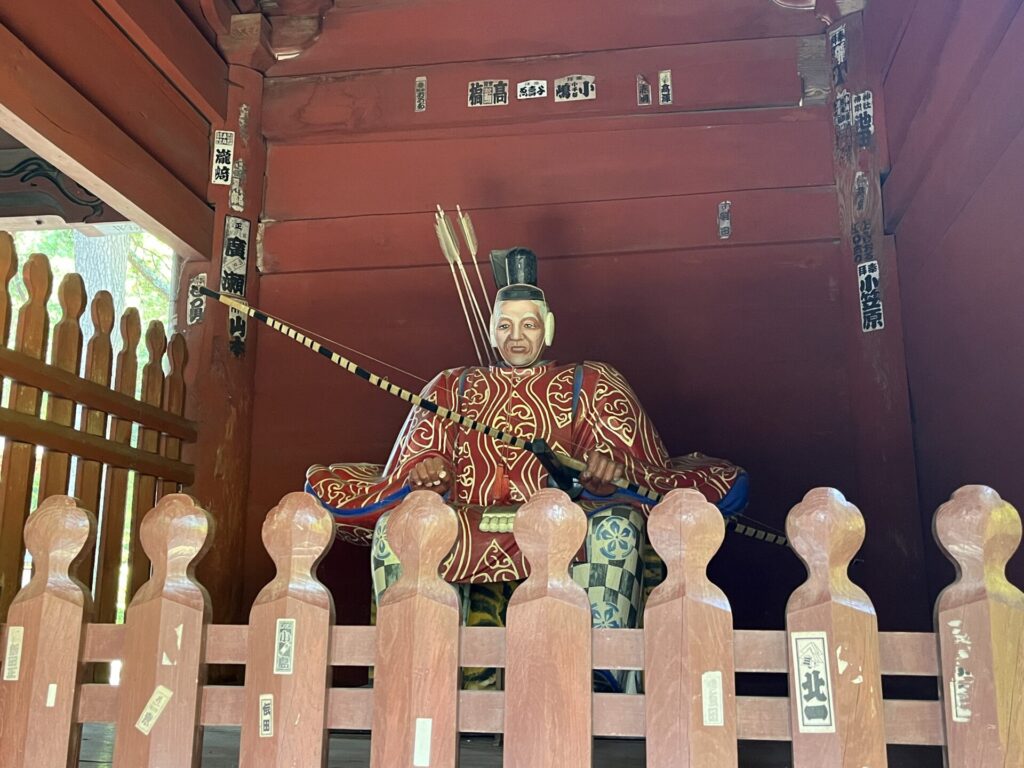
[[576, 408]]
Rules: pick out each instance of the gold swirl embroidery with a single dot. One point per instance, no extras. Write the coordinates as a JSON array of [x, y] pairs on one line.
[[559, 397]]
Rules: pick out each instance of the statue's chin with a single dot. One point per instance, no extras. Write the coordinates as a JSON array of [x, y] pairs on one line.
[[521, 361]]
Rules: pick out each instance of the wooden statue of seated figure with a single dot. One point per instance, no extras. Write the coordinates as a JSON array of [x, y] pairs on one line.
[[585, 410]]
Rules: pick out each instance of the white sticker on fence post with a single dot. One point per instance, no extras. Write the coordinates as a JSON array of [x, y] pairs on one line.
[[266, 715], [421, 742], [962, 681], [153, 709], [813, 682], [712, 698], [12, 655], [284, 647], [51, 695]]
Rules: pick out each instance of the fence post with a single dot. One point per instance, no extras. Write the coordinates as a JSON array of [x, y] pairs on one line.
[[835, 681], [689, 671], [288, 666], [416, 676], [66, 354], [115, 488], [98, 354], [174, 402], [979, 620], [8, 268], [19, 459], [149, 440], [158, 705], [42, 642], [549, 699]]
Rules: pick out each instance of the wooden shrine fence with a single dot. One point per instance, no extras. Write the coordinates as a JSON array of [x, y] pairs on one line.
[[690, 715], [102, 440]]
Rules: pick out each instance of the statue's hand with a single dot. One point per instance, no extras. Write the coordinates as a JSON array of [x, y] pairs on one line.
[[600, 473], [431, 474]]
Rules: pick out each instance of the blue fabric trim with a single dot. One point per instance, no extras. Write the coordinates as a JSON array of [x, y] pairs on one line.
[[731, 504], [606, 677], [386, 501], [577, 386], [736, 499]]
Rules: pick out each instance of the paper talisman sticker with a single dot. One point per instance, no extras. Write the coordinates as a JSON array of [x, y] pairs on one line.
[[153, 709], [814, 696], [643, 92], [223, 157], [12, 655], [576, 88], [421, 94], [713, 698], [284, 647], [665, 87], [421, 742], [532, 89], [266, 715], [487, 93]]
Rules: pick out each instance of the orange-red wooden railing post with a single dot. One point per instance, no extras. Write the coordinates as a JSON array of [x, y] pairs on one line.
[[158, 702], [548, 699], [835, 679], [979, 620], [287, 665], [19, 459], [115, 487], [66, 354], [148, 440], [416, 681], [689, 672], [8, 268], [98, 356], [42, 643], [174, 402]]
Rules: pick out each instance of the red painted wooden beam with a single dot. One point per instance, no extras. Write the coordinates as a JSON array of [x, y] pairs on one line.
[[49, 116], [727, 75], [92, 54], [800, 214], [170, 40], [468, 30], [328, 180]]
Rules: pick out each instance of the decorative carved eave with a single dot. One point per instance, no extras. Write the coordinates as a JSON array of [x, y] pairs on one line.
[[34, 194]]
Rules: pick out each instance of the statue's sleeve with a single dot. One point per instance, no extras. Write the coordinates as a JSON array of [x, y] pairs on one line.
[[611, 418], [425, 434], [359, 493]]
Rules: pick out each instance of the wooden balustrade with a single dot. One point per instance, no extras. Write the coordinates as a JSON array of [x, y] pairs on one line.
[[100, 436], [690, 715]]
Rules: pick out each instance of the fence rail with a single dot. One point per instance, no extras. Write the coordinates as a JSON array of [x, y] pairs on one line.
[[832, 652], [87, 416]]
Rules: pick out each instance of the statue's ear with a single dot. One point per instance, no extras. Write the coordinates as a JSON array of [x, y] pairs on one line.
[[549, 328]]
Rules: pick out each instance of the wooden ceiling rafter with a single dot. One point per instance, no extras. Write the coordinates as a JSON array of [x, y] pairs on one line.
[[169, 38], [52, 118]]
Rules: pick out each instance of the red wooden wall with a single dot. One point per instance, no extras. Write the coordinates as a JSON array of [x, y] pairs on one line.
[[737, 347], [952, 72]]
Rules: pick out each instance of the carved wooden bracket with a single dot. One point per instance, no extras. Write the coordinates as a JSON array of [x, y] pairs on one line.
[[247, 42], [279, 29], [291, 35], [828, 11]]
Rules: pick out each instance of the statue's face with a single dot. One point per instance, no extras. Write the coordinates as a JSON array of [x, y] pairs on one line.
[[519, 331]]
